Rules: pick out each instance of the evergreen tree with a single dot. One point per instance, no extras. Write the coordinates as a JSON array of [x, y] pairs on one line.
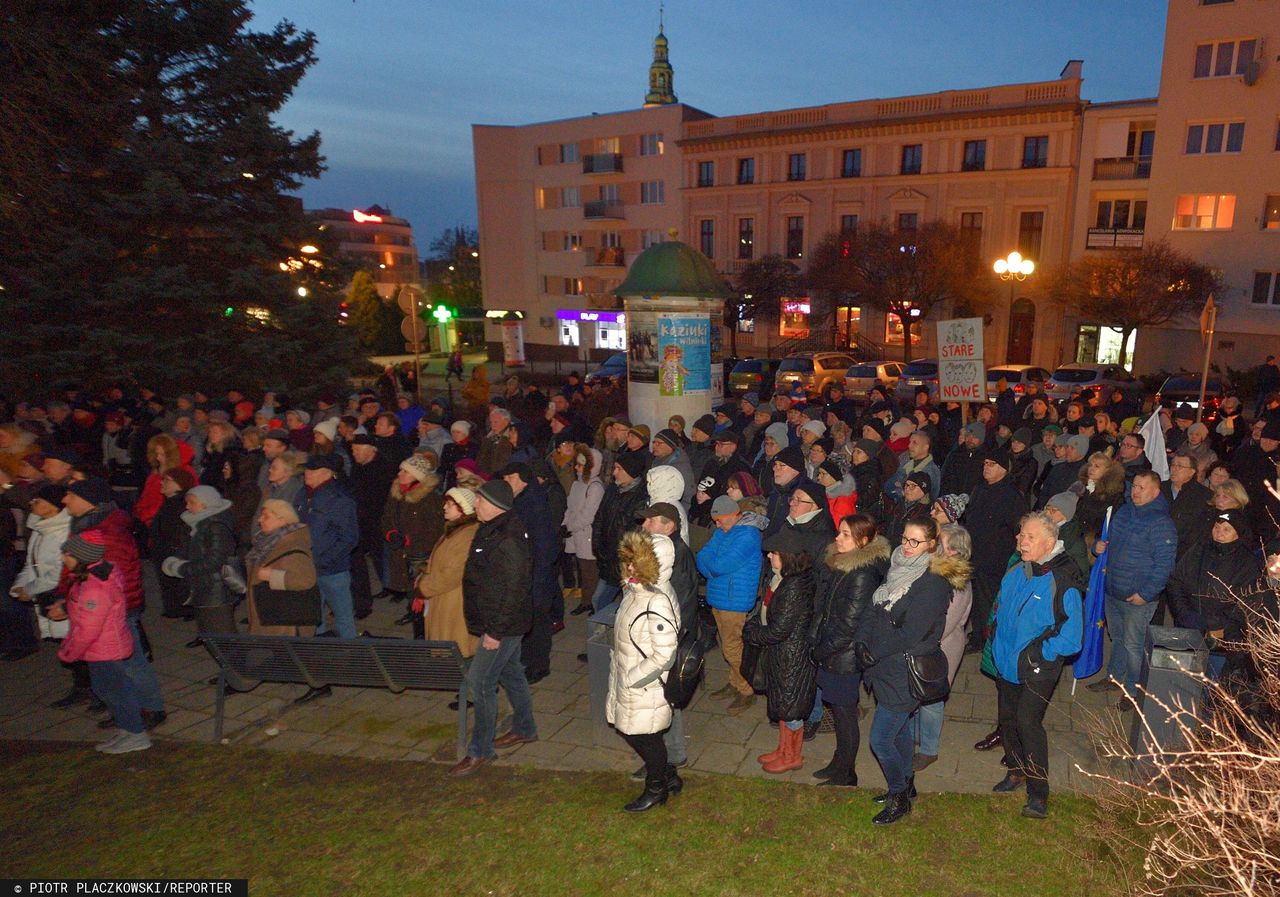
[[375, 321], [143, 194]]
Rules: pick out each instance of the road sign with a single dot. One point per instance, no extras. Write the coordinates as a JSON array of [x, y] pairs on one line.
[[408, 299], [962, 375]]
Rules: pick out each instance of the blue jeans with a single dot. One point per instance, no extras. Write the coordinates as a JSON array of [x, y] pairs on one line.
[[929, 719], [815, 715], [673, 738], [111, 683], [145, 684], [605, 595], [335, 594], [1127, 625], [891, 743], [488, 670]]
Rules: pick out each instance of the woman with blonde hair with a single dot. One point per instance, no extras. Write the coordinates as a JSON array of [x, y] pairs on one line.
[[580, 511], [1101, 487], [279, 559], [439, 599], [164, 453], [15, 444]]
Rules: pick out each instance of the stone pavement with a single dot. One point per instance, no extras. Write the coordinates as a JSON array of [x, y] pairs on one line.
[[418, 726]]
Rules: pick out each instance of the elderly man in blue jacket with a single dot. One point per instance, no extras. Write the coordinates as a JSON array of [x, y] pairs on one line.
[[1143, 551], [329, 511], [1039, 625], [731, 563]]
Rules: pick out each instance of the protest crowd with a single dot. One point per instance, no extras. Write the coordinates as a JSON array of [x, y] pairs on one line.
[[830, 546]]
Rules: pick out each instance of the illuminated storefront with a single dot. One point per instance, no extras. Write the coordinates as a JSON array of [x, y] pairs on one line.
[[793, 317], [601, 329]]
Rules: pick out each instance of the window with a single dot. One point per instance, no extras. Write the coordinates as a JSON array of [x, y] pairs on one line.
[[746, 237], [848, 224], [975, 155], [1266, 288], [1208, 138], [1035, 152], [608, 145], [651, 145], [1121, 213], [971, 229], [570, 198], [573, 286], [706, 174], [610, 239], [707, 237], [912, 158], [746, 171], [795, 237], [851, 164], [1271, 212], [795, 167], [540, 197], [651, 193], [568, 152], [650, 238], [609, 193], [569, 333], [908, 221], [1204, 211], [1030, 234], [572, 242], [1223, 58]]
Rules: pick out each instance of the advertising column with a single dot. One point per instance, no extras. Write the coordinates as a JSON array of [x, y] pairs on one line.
[[673, 360]]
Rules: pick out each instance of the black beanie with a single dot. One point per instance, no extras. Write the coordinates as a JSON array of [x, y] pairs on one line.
[[632, 463], [706, 423], [791, 457]]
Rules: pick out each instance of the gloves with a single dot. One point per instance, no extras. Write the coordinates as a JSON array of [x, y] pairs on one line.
[[395, 537], [863, 658], [418, 605], [172, 566]]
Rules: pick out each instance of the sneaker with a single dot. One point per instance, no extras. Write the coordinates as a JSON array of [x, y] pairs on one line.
[[103, 745], [1103, 685], [127, 743]]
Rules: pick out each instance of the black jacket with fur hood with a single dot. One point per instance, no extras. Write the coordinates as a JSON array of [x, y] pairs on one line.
[[845, 585]]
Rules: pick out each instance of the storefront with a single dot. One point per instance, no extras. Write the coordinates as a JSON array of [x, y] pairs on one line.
[[595, 329], [1098, 344], [848, 325], [793, 317]]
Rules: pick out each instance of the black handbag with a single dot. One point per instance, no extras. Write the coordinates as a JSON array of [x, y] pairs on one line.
[[928, 676], [287, 607]]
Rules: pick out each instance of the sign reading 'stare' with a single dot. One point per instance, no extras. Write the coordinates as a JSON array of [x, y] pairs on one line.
[[962, 375]]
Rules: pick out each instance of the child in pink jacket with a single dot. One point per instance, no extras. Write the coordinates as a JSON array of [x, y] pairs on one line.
[[100, 636]]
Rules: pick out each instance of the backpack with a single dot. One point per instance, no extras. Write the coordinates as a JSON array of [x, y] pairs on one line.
[[685, 671]]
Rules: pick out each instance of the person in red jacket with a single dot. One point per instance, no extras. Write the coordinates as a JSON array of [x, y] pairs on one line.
[[842, 495], [99, 636], [164, 453]]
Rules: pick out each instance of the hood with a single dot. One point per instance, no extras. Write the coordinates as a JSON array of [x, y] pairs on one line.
[[753, 504], [665, 484], [954, 570], [46, 525], [751, 518], [652, 556], [842, 488], [875, 550]]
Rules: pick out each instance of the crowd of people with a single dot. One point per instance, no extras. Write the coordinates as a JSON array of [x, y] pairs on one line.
[[834, 546]]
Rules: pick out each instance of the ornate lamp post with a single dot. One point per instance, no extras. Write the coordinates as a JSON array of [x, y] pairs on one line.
[[1014, 269]]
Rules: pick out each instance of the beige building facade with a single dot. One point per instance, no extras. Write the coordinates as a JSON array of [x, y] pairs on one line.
[[380, 242]]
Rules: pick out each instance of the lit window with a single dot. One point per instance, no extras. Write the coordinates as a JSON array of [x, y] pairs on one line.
[[1271, 212], [1205, 211], [651, 145]]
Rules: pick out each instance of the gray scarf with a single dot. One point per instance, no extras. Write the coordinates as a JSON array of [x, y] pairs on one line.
[[903, 571], [193, 520], [264, 543]]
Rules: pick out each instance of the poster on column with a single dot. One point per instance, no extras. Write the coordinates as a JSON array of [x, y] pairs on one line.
[[684, 354], [642, 346], [961, 368]]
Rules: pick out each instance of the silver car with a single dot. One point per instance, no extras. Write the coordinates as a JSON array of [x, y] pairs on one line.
[[1075, 375], [865, 374]]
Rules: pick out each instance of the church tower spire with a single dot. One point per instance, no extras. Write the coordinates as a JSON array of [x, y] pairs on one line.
[[661, 76]]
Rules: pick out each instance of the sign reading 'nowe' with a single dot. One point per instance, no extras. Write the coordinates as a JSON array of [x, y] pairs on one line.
[[962, 375]]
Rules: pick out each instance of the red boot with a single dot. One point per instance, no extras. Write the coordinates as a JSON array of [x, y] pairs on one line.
[[776, 753], [789, 758]]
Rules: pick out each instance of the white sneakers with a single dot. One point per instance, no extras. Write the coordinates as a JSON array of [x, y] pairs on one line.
[[125, 742]]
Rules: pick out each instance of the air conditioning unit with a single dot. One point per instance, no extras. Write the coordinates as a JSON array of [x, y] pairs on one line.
[[1251, 73]]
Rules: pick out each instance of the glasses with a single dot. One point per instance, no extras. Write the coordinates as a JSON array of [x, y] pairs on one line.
[[913, 543], [801, 502]]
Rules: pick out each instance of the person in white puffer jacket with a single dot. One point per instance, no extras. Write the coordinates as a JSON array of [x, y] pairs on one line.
[[667, 484], [645, 634], [49, 524]]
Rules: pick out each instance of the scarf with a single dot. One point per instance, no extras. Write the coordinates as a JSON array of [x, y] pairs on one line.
[[264, 543], [903, 572], [194, 520]]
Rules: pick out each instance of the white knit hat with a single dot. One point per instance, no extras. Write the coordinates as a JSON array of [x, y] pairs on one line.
[[418, 467], [465, 498], [327, 428]]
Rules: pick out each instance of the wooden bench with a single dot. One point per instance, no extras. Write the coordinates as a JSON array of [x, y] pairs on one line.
[[395, 664]]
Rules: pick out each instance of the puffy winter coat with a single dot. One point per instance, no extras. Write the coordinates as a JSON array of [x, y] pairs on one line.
[[731, 563], [616, 515], [441, 586], [580, 511], [1141, 551], [43, 568], [1024, 644], [412, 523], [842, 499], [782, 629], [213, 543], [868, 476], [497, 579], [667, 484], [122, 550], [993, 516], [680, 461], [330, 512], [96, 608], [1200, 590], [645, 633], [845, 583]]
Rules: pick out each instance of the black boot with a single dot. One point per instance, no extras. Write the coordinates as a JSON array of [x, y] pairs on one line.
[[911, 792], [77, 695], [895, 808], [655, 793], [675, 784], [840, 771]]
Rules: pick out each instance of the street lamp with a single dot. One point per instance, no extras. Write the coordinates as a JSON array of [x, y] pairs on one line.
[[1014, 269]]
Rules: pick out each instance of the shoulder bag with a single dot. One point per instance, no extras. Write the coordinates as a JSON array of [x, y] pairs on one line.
[[287, 607]]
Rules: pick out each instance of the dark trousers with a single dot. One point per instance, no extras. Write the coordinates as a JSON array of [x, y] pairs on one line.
[[173, 596], [361, 590], [17, 622], [216, 619], [653, 751], [588, 577], [986, 586], [535, 648], [847, 738], [568, 570], [1022, 709]]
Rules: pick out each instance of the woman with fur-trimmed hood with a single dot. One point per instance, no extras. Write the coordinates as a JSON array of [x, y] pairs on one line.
[[955, 547], [644, 644], [413, 520]]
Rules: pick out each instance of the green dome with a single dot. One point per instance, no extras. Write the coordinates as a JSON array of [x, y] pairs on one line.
[[673, 269]]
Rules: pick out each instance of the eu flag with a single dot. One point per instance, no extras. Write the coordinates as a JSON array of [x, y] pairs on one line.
[[1090, 659]]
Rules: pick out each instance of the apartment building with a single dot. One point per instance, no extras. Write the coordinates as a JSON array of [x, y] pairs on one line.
[[380, 242]]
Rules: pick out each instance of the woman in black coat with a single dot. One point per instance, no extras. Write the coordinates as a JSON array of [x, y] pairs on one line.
[[868, 478], [907, 615], [167, 535], [782, 630], [852, 569]]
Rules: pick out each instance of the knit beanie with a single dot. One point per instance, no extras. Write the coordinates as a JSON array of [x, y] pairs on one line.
[[791, 457], [52, 493], [869, 447], [641, 431], [632, 463], [779, 433], [303, 417], [669, 437], [816, 427], [328, 429], [977, 429], [95, 491], [953, 504], [1080, 444], [417, 467], [182, 478], [1065, 502], [1023, 435], [831, 469], [465, 498], [921, 479], [706, 423], [87, 547], [206, 495], [498, 494]]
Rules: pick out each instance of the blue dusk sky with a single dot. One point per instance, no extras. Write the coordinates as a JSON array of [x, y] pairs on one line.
[[400, 82]]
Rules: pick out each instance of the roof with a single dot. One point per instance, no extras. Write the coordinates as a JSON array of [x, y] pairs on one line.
[[673, 269]]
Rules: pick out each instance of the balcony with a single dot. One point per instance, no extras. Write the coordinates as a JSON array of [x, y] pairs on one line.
[[601, 209], [1114, 238], [607, 257], [602, 163], [1122, 168]]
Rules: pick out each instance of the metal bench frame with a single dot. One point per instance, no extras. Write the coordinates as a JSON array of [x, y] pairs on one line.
[[394, 664]]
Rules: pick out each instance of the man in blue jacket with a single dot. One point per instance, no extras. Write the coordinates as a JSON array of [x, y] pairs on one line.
[[731, 563], [1143, 550], [329, 511], [1039, 625]]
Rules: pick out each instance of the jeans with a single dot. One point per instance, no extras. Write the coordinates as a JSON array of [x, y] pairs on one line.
[[1022, 709], [929, 719], [146, 686], [604, 595], [1127, 625], [335, 594], [673, 738], [488, 670], [112, 684], [815, 715], [891, 743]]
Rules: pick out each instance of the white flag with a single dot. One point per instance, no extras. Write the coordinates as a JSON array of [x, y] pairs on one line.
[[1154, 437]]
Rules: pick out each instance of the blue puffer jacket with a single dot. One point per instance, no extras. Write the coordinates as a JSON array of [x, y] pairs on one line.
[[1142, 550], [731, 563], [330, 513], [1025, 614]]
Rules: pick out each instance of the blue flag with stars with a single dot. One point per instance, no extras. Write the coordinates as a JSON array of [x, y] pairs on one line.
[[1090, 659]]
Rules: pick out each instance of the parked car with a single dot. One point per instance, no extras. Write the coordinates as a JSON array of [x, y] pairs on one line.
[[1184, 388], [814, 370], [921, 372], [863, 375], [1017, 376], [613, 366], [753, 375], [1090, 376]]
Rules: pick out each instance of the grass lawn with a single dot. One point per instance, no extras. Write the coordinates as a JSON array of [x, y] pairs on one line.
[[303, 824]]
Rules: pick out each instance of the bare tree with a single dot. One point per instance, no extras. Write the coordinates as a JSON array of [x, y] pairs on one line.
[[761, 285]]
